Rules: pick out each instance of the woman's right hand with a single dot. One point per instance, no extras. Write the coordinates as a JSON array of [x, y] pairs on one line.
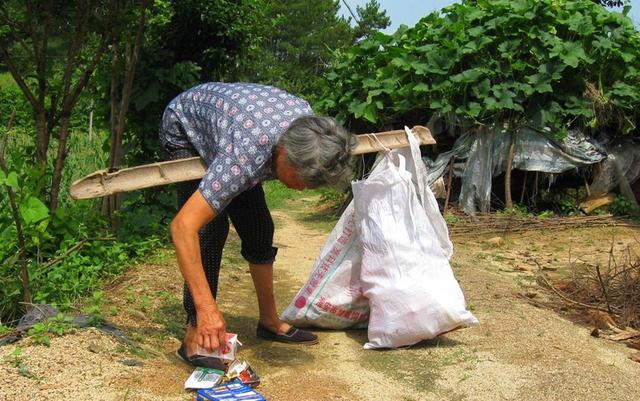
[[210, 329]]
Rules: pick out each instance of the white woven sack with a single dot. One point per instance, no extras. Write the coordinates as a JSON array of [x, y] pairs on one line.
[[427, 199], [332, 297], [405, 273]]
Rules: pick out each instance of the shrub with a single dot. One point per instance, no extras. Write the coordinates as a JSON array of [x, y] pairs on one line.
[[546, 63]]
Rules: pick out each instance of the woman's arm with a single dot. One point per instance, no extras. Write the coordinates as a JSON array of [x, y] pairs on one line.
[[196, 212]]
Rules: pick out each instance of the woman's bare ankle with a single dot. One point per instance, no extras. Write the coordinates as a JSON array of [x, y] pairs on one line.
[[275, 325]]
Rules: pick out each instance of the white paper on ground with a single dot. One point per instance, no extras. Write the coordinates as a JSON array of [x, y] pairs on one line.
[[203, 378], [232, 347]]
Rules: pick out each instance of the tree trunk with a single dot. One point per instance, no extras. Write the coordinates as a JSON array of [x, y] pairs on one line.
[[119, 108], [60, 159], [42, 138], [110, 203], [508, 201]]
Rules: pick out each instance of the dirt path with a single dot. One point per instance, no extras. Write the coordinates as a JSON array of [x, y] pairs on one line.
[[519, 352]]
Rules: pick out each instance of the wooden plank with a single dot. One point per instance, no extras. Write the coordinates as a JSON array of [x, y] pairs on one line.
[[103, 182], [594, 202]]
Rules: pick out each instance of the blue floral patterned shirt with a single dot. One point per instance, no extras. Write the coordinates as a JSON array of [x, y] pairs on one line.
[[234, 127]]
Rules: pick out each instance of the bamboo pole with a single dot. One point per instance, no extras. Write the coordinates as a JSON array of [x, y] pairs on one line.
[[105, 182]]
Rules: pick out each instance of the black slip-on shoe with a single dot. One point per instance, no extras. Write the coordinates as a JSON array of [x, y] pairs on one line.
[[293, 336], [200, 361]]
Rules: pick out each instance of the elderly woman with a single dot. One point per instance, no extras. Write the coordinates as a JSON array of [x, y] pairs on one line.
[[246, 133]]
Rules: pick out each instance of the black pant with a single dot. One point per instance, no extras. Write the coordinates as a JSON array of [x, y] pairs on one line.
[[252, 220]]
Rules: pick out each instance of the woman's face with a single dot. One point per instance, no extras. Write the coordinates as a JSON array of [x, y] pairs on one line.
[[286, 173]]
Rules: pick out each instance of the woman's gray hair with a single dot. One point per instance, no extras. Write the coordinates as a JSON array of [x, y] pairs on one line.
[[320, 151]]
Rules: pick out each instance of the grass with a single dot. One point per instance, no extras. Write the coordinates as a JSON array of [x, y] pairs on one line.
[[161, 256], [85, 156], [86, 153], [6, 81], [170, 314], [421, 370], [308, 206], [421, 365], [321, 220], [231, 255], [451, 218], [278, 195]]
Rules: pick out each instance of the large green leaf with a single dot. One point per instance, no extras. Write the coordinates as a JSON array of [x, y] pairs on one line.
[[553, 70], [421, 87], [571, 53], [473, 109], [504, 97], [623, 90], [603, 43], [508, 47], [371, 113], [369, 83], [476, 31], [481, 89], [526, 89], [401, 62], [475, 14], [521, 6], [540, 82], [439, 63], [33, 210], [520, 65], [467, 76], [443, 106], [541, 117], [12, 180], [578, 106], [581, 24]]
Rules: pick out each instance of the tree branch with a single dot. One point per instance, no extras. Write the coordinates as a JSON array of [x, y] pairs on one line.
[[131, 61], [32, 34], [81, 22], [71, 249], [6, 58], [13, 24], [566, 298], [24, 272], [104, 41]]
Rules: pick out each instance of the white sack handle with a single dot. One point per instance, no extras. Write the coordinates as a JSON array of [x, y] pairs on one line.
[[425, 195], [402, 164], [420, 170]]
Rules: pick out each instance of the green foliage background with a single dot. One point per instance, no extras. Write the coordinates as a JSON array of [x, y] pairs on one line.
[[546, 63]]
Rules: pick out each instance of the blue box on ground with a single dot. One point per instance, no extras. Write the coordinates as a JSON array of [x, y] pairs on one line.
[[234, 390]]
